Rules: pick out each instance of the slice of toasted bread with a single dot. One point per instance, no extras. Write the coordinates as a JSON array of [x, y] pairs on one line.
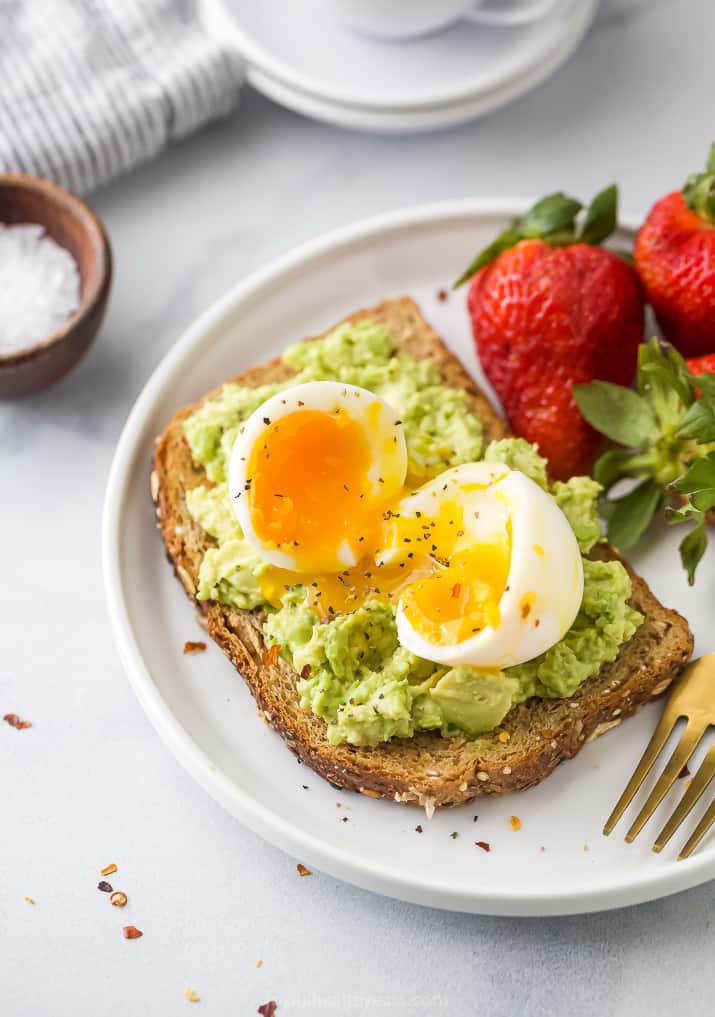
[[425, 769]]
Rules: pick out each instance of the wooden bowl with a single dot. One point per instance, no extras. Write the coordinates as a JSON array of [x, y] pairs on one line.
[[27, 199]]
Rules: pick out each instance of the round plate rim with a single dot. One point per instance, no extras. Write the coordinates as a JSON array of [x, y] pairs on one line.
[[339, 862], [216, 15]]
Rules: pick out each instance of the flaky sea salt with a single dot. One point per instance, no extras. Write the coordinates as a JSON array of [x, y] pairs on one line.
[[39, 286]]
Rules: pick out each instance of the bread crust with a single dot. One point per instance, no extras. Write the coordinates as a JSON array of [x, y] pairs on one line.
[[427, 769]]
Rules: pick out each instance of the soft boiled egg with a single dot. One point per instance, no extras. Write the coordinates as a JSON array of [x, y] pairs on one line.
[[311, 473], [481, 563], [507, 581]]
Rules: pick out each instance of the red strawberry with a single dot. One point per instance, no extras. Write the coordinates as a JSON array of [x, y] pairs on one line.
[[675, 259], [550, 308], [702, 365]]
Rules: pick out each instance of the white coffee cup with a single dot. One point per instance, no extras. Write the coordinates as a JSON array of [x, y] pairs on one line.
[[407, 19]]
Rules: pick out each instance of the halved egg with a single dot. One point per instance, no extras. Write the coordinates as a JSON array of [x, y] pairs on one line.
[[507, 581], [311, 473]]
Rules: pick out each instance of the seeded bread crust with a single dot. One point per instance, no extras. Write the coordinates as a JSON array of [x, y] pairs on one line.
[[426, 769]]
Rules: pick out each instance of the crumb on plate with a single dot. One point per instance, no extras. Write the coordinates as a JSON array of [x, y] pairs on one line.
[[194, 647]]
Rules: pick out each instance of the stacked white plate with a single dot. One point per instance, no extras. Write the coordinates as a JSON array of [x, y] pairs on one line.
[[301, 56]]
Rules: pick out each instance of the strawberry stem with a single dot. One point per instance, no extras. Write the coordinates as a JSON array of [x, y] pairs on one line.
[[554, 220], [699, 190]]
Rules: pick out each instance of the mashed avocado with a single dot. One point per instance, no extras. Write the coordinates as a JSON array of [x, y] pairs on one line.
[[369, 688], [440, 426], [353, 672]]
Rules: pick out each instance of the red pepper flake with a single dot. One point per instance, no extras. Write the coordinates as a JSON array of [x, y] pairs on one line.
[[685, 772], [268, 1009], [302, 871], [270, 657], [197, 647], [442, 296], [305, 671], [131, 932], [14, 721], [483, 845], [456, 590]]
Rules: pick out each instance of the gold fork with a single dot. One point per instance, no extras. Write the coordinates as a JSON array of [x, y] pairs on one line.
[[693, 698]]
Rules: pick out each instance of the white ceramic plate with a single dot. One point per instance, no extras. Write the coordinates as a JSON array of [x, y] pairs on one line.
[[430, 117], [558, 862], [302, 47]]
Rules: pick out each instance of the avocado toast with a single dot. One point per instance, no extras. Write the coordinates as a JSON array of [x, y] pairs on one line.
[[426, 768]]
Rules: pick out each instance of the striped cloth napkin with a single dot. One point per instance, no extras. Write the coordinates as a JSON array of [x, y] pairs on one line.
[[91, 88]]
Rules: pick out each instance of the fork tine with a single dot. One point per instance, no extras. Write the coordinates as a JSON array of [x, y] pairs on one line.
[[660, 737], [699, 783], [682, 753], [699, 832]]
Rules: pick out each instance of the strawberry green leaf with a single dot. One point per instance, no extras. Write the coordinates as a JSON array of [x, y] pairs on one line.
[[619, 413], [551, 214], [617, 463], [506, 239], [705, 383], [601, 216], [631, 515], [692, 548], [699, 476], [703, 501], [664, 381], [683, 514], [553, 218], [699, 190], [681, 372], [698, 422]]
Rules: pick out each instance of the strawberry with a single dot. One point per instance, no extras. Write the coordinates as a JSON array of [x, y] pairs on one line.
[[549, 308], [702, 365], [675, 259]]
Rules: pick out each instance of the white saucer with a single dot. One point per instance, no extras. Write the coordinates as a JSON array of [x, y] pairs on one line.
[[301, 50], [430, 117]]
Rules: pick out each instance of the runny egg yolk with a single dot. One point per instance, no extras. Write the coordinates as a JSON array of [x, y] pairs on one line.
[[461, 599], [450, 586], [309, 484]]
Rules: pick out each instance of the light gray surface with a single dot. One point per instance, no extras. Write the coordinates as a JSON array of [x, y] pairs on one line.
[[91, 783]]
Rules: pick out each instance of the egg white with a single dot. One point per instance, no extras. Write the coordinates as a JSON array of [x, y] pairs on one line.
[[545, 569], [388, 457]]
